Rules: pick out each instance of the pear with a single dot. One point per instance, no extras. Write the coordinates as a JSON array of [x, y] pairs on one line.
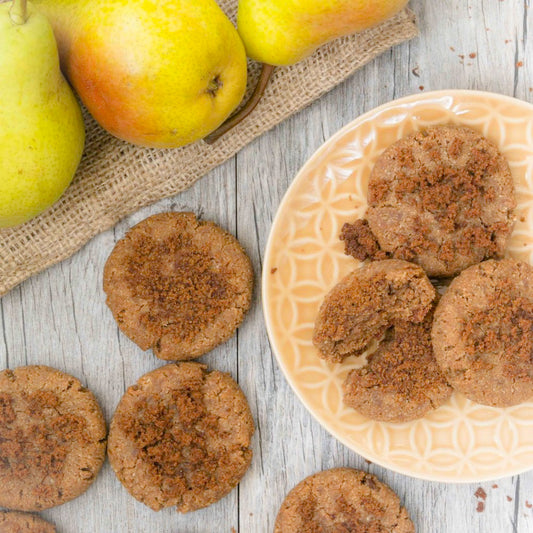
[[158, 73], [283, 32], [41, 125]]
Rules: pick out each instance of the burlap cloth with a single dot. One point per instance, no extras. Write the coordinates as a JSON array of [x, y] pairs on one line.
[[116, 178]]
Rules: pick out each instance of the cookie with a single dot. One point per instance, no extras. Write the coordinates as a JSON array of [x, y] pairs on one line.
[[401, 380], [178, 285], [52, 438], [442, 198], [483, 333], [181, 437], [366, 303], [342, 500], [14, 522]]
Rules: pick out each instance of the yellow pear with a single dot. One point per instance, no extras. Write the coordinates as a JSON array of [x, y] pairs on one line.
[[283, 32], [41, 126], [159, 73]]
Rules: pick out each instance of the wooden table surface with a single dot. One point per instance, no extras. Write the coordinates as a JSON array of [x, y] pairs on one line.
[[59, 317]]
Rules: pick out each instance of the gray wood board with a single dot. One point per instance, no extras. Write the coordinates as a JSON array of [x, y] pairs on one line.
[[59, 317]]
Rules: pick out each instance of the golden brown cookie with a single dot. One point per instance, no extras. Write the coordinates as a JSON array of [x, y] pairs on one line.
[[15, 522], [483, 333], [52, 438], [342, 500], [442, 198], [402, 380], [369, 301], [178, 285], [181, 436]]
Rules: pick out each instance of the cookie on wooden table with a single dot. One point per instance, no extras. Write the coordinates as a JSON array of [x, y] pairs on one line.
[[15, 522], [402, 380], [483, 333], [342, 500], [368, 302], [442, 198], [178, 285], [181, 437], [52, 438]]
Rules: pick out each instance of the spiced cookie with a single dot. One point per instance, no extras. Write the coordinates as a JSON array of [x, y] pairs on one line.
[[402, 380], [369, 301], [442, 198], [342, 500], [52, 438], [178, 285], [181, 436], [483, 333], [13, 522]]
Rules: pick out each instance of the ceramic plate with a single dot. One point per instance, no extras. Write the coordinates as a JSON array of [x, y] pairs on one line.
[[461, 441]]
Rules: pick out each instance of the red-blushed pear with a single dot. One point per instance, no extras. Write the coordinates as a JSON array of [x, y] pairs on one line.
[[158, 73], [283, 32], [41, 126]]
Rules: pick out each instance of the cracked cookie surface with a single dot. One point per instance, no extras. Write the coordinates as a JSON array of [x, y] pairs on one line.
[[342, 500], [483, 333], [52, 438], [442, 198], [366, 303], [15, 522], [178, 285], [402, 380], [181, 437]]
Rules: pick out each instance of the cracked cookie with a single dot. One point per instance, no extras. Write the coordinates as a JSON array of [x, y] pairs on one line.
[[483, 333], [401, 380], [342, 500], [52, 438], [14, 522], [368, 302], [181, 437], [178, 285], [442, 198]]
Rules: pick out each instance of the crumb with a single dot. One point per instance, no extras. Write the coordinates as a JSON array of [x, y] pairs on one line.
[[461, 56], [421, 87], [522, 219], [480, 493], [509, 499], [273, 270], [472, 55], [507, 41], [416, 72], [452, 48], [480, 507], [520, 64], [529, 505], [233, 530], [495, 486]]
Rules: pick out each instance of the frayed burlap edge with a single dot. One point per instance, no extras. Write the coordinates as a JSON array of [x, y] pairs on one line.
[[116, 178]]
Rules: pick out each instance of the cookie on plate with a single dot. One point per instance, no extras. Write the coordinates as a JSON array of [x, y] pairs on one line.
[[442, 198], [178, 285], [401, 380], [343, 500], [368, 302], [52, 438], [15, 522], [181, 437], [483, 333]]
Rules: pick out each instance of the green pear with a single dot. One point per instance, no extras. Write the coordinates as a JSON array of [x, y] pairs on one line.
[[158, 73], [282, 32], [41, 126]]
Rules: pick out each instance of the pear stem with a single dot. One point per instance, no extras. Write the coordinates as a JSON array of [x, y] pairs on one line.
[[247, 108], [18, 12]]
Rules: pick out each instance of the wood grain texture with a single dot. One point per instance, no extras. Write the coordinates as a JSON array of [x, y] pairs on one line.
[[59, 317]]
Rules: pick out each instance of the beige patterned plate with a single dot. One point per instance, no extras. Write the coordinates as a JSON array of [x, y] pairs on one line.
[[461, 441]]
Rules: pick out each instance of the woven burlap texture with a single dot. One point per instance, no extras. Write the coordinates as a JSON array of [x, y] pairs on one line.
[[116, 178]]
